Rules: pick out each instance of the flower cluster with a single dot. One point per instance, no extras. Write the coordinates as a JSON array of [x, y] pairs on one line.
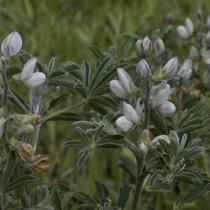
[[157, 95]]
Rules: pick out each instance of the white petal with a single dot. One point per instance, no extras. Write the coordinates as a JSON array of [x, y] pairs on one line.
[[130, 113], [161, 97], [117, 89], [36, 80], [123, 125], [182, 31], [28, 69], [189, 26], [13, 42], [167, 109], [125, 79]]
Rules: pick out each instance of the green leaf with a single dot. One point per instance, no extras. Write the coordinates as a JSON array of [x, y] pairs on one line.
[[86, 73], [129, 166], [20, 182], [3, 201], [9, 168], [55, 199], [97, 52], [158, 121], [12, 70], [83, 156], [102, 191], [73, 143], [50, 66], [56, 73], [123, 196], [103, 101]]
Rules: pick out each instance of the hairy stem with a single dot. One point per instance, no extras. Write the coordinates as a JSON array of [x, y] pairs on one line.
[[4, 104], [50, 116]]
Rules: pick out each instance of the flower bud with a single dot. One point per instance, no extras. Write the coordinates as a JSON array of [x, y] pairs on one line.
[[159, 47], [28, 69], [143, 69], [189, 26], [130, 113], [11, 44], [2, 122], [125, 79], [139, 52], [36, 80], [30, 118], [182, 31], [167, 109], [161, 97], [25, 129], [144, 137], [143, 148], [123, 125], [117, 89], [147, 45], [170, 69], [185, 71]]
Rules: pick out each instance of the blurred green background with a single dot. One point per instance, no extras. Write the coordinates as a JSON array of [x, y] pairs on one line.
[[64, 29]]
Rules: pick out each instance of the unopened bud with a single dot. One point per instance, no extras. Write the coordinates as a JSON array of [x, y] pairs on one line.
[[130, 113], [189, 26], [117, 89], [185, 71], [139, 52], [147, 45], [143, 69], [144, 137], [125, 79], [182, 31], [167, 109], [123, 125], [11, 44], [159, 47], [143, 148], [170, 69]]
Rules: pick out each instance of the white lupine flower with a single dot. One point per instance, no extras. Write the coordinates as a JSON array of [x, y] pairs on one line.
[[140, 108], [187, 30], [28, 69], [161, 97], [182, 31], [189, 26], [2, 122], [130, 113], [185, 70], [139, 49], [125, 79], [159, 47], [143, 69], [117, 89], [146, 44], [170, 69], [36, 80], [11, 44], [167, 109], [123, 125]]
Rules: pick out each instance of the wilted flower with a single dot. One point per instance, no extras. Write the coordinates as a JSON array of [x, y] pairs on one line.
[[185, 70], [41, 163], [25, 129], [167, 109], [30, 79], [187, 30], [159, 47], [143, 69], [11, 44]]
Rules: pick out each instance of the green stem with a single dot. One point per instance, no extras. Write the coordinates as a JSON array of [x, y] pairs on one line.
[[50, 116], [4, 104], [20, 104]]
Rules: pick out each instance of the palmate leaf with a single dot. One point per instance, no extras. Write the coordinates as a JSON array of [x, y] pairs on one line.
[[86, 74], [97, 52]]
